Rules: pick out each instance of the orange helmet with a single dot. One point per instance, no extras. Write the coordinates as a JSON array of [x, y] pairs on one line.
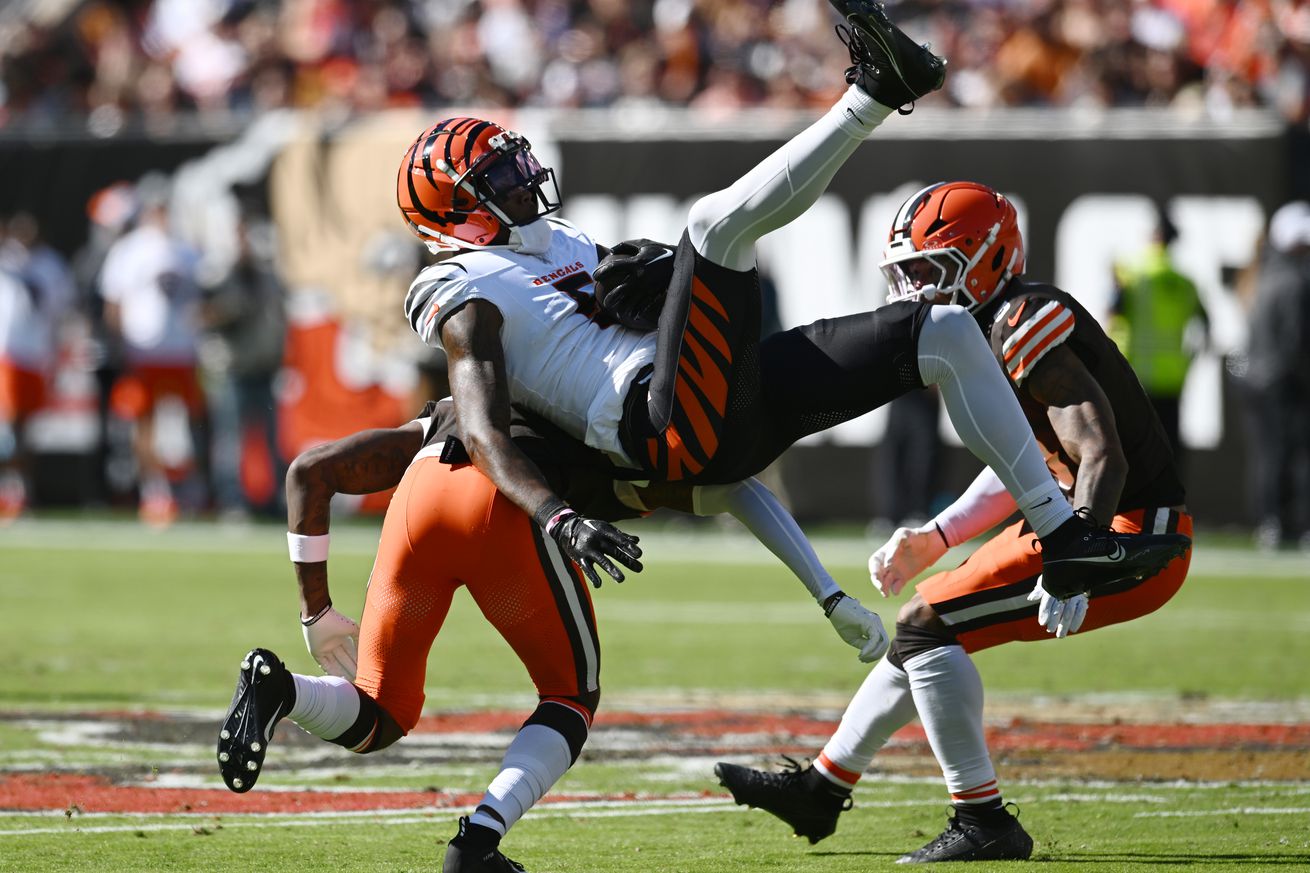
[[955, 242], [453, 176]]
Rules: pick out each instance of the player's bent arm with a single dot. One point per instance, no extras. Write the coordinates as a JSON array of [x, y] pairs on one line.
[[362, 463], [1083, 421], [480, 388]]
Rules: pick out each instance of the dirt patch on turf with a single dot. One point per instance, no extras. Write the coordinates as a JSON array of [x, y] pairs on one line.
[[1023, 748]]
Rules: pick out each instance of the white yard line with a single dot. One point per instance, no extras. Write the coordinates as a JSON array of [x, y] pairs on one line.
[[1235, 810]]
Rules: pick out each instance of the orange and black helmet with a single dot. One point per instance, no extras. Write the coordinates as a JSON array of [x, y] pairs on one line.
[[956, 242], [453, 176]]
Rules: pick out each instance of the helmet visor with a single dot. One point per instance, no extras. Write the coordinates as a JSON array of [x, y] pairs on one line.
[[513, 171]]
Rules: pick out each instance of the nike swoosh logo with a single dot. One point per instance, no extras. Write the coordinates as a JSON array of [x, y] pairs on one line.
[[268, 728], [851, 113], [1014, 319], [1044, 502], [663, 255]]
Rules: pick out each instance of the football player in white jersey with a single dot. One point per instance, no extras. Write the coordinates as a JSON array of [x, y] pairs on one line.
[[702, 399]]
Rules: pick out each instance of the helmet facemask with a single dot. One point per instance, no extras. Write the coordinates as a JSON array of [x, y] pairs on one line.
[[497, 174], [940, 275]]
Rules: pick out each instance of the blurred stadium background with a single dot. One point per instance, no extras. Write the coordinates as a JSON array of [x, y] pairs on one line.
[[269, 131], [258, 140]]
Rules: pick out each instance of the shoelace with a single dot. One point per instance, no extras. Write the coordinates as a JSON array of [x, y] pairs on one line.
[[861, 57]]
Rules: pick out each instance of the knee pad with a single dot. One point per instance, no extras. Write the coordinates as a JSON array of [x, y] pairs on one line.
[[913, 640]]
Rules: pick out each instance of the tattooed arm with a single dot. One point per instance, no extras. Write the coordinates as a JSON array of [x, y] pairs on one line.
[[371, 460], [1083, 421]]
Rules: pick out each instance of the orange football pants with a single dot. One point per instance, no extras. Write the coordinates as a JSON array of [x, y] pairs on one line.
[[984, 600], [136, 393], [22, 391], [449, 526]]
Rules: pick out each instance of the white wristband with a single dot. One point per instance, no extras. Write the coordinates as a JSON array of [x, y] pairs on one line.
[[307, 550]]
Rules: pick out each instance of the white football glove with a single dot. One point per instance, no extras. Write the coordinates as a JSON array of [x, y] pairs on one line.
[[333, 640], [857, 626], [908, 553], [1059, 617]]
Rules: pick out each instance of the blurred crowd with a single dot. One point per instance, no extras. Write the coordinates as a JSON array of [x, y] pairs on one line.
[[113, 61]]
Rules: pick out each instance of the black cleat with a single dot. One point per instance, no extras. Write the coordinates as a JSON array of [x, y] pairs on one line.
[[966, 842], [465, 854], [800, 797], [1080, 557], [887, 65], [264, 695]]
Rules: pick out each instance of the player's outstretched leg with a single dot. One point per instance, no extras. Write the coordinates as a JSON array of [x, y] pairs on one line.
[[968, 842], [467, 853], [801, 797], [1077, 555], [887, 71], [264, 695]]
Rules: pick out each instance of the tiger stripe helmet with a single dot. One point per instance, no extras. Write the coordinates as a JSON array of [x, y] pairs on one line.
[[953, 242], [454, 174]]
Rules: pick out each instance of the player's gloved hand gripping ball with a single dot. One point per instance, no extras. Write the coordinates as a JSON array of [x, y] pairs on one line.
[[633, 280]]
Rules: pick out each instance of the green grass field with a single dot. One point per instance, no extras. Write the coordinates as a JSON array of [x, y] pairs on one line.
[[105, 617]]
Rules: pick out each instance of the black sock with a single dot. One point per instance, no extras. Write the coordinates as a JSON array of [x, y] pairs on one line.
[[985, 815], [478, 835]]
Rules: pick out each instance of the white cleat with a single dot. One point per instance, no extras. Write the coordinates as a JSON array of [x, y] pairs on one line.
[[237, 783], [256, 746], [245, 665], [252, 765], [225, 734], [224, 757], [265, 669]]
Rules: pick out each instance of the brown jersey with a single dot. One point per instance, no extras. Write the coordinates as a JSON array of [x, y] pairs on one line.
[[1032, 320]]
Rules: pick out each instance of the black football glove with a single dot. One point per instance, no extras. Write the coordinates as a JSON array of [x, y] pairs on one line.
[[633, 280], [588, 541]]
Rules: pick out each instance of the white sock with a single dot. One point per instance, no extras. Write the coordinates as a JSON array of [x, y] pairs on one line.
[[954, 356], [881, 707], [724, 226], [534, 761], [759, 510], [326, 706], [948, 693]]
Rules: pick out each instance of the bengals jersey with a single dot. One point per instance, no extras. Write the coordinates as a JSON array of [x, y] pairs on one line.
[[564, 361], [582, 476], [1032, 319]]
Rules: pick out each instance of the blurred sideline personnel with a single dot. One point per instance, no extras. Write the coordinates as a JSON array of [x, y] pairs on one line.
[[1154, 308], [446, 527], [245, 323], [36, 296], [518, 302], [152, 309], [1108, 450], [1277, 381]]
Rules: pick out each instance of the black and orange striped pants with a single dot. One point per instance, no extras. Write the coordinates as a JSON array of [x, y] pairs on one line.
[[720, 404]]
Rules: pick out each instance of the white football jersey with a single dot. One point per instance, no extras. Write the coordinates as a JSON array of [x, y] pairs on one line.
[[561, 363]]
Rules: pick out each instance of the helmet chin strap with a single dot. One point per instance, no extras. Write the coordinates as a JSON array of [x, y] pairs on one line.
[[530, 239]]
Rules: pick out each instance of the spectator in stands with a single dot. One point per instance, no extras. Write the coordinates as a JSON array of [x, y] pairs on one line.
[[112, 60], [36, 296], [1277, 380], [245, 324], [1158, 315], [151, 306]]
